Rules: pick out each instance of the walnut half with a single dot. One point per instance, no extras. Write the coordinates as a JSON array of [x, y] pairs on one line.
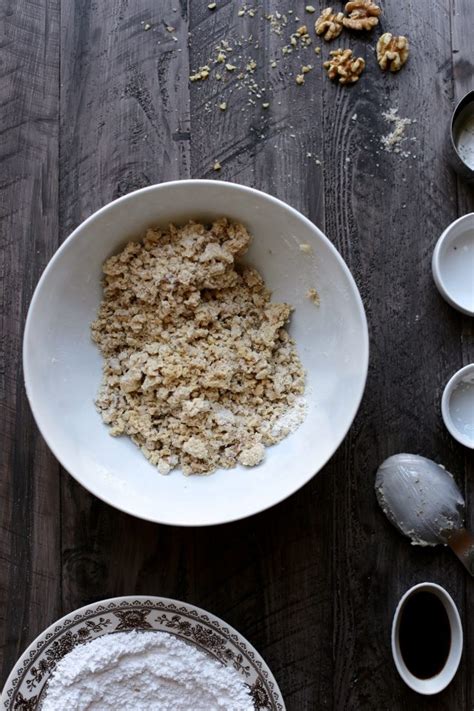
[[392, 52], [363, 15], [344, 67], [329, 24]]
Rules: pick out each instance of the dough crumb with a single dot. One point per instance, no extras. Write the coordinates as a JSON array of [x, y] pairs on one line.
[[306, 248], [252, 456], [198, 366], [313, 296]]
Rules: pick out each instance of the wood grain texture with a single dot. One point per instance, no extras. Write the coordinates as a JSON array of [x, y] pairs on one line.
[[286, 600], [462, 16], [97, 106], [124, 125], [386, 229], [29, 474]]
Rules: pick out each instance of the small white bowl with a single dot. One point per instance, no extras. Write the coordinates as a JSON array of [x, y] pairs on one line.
[[457, 406], [440, 681], [453, 264], [63, 366]]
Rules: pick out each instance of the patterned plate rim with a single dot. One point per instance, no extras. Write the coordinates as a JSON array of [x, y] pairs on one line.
[[160, 604]]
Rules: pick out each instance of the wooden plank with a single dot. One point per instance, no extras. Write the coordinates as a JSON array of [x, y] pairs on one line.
[[462, 21], [124, 107], [124, 124], [29, 511], [385, 212], [462, 17], [274, 580]]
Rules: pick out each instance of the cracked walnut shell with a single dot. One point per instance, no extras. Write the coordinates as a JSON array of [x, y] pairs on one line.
[[344, 67], [363, 15], [329, 24], [392, 52]]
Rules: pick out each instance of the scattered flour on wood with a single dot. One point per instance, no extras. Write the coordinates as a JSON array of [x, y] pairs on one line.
[[392, 141], [144, 671]]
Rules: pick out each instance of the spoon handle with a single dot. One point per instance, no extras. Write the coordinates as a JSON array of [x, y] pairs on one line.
[[462, 544]]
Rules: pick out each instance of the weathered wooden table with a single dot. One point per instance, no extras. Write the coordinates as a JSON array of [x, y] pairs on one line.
[[95, 103]]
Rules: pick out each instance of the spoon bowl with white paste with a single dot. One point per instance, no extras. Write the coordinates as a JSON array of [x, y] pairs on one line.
[[423, 502]]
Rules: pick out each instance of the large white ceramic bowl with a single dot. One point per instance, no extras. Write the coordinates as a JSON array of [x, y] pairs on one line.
[[62, 365]]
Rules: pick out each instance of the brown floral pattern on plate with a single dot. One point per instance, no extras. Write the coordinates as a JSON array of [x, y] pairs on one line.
[[28, 680], [132, 620]]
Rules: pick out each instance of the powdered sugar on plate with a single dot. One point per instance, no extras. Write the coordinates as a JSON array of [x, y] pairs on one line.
[[144, 671]]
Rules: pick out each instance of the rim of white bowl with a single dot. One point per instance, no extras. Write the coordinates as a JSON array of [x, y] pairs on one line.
[[436, 684], [183, 183], [445, 405], [436, 264]]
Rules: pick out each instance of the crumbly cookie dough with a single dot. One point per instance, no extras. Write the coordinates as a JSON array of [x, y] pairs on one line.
[[198, 365]]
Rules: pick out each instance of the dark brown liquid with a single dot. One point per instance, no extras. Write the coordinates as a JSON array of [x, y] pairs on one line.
[[424, 634]]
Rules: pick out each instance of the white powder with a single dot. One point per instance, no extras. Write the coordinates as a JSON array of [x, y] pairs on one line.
[[391, 142], [143, 671], [292, 418]]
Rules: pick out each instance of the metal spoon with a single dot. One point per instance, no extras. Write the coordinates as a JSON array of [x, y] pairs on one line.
[[423, 501]]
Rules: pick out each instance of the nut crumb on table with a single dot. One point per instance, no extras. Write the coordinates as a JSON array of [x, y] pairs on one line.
[[199, 370]]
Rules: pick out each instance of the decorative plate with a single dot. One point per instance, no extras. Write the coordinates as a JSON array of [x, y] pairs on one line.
[[28, 679]]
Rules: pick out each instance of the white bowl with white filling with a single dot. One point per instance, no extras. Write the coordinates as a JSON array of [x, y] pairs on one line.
[[453, 264], [63, 366], [457, 405]]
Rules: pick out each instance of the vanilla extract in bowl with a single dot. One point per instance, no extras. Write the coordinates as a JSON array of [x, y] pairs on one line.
[[424, 634], [427, 638]]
